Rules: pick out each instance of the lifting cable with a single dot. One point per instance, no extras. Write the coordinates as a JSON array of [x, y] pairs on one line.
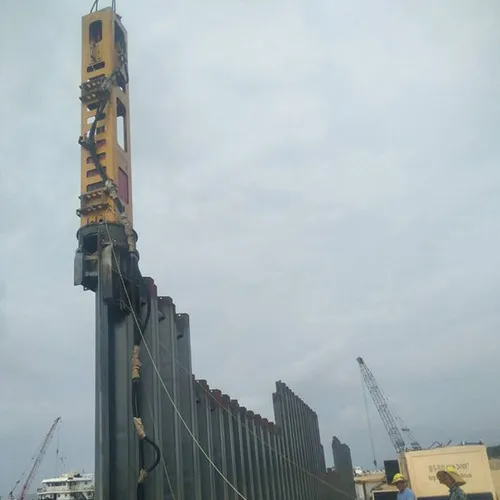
[[95, 6], [89, 143]]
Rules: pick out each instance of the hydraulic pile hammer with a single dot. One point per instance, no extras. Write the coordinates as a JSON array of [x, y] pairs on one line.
[[106, 191]]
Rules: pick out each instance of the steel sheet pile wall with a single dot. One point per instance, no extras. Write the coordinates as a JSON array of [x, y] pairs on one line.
[[263, 460], [302, 444]]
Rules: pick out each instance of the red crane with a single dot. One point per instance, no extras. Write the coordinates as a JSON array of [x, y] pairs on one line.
[[38, 460]]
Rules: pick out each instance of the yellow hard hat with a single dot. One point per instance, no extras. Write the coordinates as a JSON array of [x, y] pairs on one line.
[[398, 478], [453, 473]]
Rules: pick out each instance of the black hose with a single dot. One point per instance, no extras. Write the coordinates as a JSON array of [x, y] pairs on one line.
[[139, 330], [141, 286], [158, 454], [90, 144]]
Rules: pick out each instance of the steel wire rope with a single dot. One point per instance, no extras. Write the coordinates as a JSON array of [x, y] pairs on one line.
[[333, 488], [291, 462], [95, 6], [155, 367]]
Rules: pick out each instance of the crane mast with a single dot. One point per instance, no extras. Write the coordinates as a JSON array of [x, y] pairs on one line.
[[387, 415]]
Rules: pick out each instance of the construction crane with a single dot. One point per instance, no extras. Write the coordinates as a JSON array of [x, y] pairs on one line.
[[38, 460], [107, 262], [388, 416]]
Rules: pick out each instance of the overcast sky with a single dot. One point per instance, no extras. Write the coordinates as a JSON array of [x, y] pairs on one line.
[[313, 181]]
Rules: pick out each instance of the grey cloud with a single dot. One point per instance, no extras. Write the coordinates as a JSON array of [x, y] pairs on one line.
[[313, 182]]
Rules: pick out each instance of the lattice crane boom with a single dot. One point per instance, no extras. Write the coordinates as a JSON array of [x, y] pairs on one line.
[[38, 460], [386, 413]]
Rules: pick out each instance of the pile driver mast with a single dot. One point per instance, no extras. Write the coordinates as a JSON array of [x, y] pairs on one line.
[[107, 262], [387, 415]]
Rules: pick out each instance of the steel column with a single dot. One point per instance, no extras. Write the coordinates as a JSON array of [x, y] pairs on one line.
[[151, 394], [116, 464], [204, 413], [254, 446], [196, 431], [171, 435], [260, 451], [186, 403], [246, 438], [230, 458], [268, 456], [275, 460], [284, 441], [218, 443], [299, 445], [239, 448]]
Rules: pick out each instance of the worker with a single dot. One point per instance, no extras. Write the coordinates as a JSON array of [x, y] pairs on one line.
[[401, 484], [450, 477]]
